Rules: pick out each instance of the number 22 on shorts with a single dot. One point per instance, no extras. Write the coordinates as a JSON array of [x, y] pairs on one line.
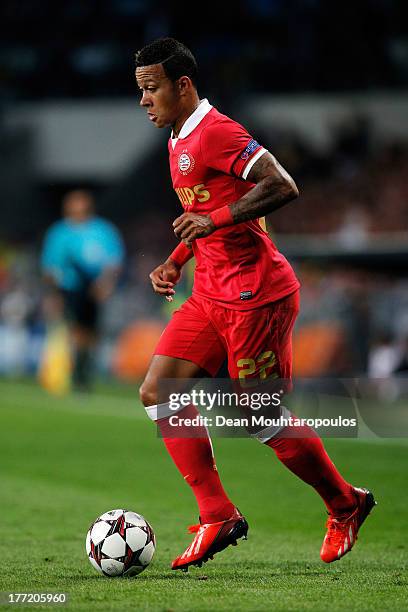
[[264, 362]]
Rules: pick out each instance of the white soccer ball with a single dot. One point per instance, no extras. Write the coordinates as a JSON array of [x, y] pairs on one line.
[[120, 543]]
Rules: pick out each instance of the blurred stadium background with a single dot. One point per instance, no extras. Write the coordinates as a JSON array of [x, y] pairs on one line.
[[322, 84]]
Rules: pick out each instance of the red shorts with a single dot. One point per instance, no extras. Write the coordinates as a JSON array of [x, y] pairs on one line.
[[257, 343]]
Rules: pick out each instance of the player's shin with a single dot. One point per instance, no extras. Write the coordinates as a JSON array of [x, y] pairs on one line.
[[301, 450], [189, 445]]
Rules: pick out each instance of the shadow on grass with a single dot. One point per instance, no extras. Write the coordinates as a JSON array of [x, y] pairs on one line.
[[251, 573]]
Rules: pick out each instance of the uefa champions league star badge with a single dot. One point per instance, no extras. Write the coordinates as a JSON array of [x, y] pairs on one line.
[[186, 162]]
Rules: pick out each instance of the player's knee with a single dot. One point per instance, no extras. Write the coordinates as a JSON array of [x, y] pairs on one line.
[[148, 394]]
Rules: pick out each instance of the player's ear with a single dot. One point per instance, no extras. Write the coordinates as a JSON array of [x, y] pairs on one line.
[[184, 84]]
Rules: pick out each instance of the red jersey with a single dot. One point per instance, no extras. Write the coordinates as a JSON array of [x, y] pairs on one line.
[[238, 266]]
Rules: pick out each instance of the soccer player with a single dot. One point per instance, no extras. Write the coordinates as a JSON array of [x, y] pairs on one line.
[[244, 303], [82, 257]]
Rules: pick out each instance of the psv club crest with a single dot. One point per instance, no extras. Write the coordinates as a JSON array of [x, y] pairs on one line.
[[186, 162]]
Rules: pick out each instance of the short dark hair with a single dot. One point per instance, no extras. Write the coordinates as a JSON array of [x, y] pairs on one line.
[[176, 58]]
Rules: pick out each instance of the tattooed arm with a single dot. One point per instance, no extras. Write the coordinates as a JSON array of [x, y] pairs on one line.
[[273, 188]]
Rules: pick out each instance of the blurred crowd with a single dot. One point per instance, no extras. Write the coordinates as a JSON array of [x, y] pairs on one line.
[[355, 319], [356, 189], [81, 49]]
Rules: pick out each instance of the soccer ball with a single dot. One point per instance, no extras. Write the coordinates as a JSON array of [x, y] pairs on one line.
[[120, 543]]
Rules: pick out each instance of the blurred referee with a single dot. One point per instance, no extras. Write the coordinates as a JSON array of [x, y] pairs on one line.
[[82, 257]]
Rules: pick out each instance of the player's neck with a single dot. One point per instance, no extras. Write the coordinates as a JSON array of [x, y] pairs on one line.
[[189, 109], [78, 220]]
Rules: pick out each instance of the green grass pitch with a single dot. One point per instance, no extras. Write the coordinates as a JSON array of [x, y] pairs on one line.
[[65, 461]]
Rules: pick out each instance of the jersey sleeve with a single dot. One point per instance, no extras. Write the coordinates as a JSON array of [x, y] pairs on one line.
[[226, 146]]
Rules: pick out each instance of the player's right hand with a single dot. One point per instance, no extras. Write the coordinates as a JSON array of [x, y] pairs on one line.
[[164, 277]]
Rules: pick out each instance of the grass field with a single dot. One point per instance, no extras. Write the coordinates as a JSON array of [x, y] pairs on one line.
[[65, 461]]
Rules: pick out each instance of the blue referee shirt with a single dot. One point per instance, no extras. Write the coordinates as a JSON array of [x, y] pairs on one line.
[[75, 254]]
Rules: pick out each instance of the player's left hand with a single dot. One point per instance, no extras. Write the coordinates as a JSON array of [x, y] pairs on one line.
[[190, 226]]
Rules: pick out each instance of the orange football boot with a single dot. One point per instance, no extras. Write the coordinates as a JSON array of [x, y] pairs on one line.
[[211, 538], [342, 530]]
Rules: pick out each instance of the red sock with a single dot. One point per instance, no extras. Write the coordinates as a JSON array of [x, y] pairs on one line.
[[194, 458], [303, 453]]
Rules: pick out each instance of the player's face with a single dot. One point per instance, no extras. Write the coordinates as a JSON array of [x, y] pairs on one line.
[[77, 206], [160, 96]]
